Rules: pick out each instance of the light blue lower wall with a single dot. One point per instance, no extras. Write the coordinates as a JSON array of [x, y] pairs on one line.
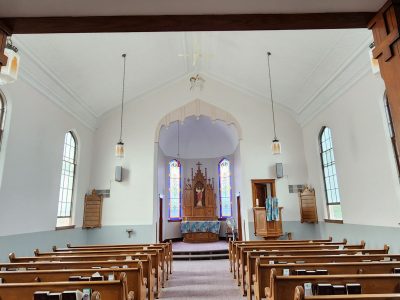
[[24, 244], [374, 236], [118, 234]]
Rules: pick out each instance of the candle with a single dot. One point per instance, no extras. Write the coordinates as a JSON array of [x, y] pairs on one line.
[[257, 202]]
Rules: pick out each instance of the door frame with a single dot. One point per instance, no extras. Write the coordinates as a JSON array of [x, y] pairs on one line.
[[160, 220], [239, 218]]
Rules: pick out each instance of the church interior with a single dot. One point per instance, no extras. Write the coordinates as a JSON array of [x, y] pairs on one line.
[[199, 150]]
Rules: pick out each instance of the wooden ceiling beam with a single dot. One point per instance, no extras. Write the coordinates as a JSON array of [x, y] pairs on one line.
[[159, 23]]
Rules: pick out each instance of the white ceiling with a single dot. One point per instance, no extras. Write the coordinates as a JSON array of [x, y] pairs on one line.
[[89, 66], [29, 8], [199, 138]]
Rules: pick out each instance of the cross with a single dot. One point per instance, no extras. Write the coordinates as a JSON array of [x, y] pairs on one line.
[[198, 165]]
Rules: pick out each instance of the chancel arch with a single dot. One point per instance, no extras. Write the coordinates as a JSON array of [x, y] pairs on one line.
[[200, 142]]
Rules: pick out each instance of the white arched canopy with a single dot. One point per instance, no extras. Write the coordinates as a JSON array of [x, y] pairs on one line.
[[198, 108]]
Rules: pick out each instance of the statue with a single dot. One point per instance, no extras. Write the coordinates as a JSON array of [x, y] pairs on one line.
[[199, 196]]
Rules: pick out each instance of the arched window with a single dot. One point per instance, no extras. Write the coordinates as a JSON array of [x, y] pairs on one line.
[[174, 190], [67, 180], [330, 177], [225, 188], [391, 132], [2, 116]]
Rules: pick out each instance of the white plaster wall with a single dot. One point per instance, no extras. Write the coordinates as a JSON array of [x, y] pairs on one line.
[[132, 201], [32, 159], [365, 164]]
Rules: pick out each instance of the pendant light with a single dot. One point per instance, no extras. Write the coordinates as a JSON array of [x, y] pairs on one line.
[[9, 72], [276, 145], [119, 148]]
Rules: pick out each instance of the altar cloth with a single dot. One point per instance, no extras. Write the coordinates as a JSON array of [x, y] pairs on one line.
[[200, 226]]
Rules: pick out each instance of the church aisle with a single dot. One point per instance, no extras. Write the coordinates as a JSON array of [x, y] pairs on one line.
[[201, 279]]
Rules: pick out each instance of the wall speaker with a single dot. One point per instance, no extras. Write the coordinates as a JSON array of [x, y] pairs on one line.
[[279, 170], [118, 173]]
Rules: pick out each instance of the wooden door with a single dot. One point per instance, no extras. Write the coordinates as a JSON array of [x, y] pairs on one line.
[[160, 222], [239, 218]]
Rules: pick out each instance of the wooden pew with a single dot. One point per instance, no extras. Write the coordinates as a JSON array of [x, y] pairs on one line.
[[278, 247], [263, 271], [145, 261], [167, 247], [234, 244], [284, 286], [126, 251], [291, 250], [104, 290], [299, 295], [116, 257], [134, 277]]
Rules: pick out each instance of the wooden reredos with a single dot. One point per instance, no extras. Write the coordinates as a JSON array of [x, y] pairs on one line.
[[199, 197]]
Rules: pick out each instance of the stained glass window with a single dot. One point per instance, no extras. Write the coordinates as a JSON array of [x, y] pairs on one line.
[[67, 177], [2, 114], [391, 132], [330, 177], [225, 188], [174, 190]]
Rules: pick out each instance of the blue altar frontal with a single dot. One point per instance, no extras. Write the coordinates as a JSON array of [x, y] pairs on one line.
[[200, 226]]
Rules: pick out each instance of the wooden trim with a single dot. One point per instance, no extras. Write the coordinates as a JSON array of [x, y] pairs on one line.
[[3, 43], [162, 23], [333, 221], [65, 227], [174, 220]]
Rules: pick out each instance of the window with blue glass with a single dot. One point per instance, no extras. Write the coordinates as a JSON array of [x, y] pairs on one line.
[[2, 115], [330, 177], [174, 190], [225, 188], [391, 132], [67, 182]]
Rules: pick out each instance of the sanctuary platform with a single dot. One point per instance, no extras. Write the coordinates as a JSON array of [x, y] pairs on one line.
[[200, 251]]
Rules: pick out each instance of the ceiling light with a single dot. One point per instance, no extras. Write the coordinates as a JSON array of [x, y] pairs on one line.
[[119, 148], [276, 145]]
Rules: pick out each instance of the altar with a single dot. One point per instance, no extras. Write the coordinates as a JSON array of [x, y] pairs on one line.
[[200, 231], [200, 222]]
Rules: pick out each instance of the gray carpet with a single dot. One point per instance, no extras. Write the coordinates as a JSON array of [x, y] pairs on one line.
[[193, 247], [201, 279]]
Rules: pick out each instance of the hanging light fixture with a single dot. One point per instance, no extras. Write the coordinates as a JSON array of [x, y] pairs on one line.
[[9, 72], [276, 145], [119, 148]]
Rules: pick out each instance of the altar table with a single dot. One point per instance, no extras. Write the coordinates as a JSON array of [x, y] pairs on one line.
[[200, 231]]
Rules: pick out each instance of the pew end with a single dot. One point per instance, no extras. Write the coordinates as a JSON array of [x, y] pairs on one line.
[[96, 296], [363, 243], [11, 257], [36, 252], [299, 293]]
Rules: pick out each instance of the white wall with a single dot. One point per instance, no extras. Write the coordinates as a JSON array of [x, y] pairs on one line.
[[133, 200], [32, 155], [367, 176]]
